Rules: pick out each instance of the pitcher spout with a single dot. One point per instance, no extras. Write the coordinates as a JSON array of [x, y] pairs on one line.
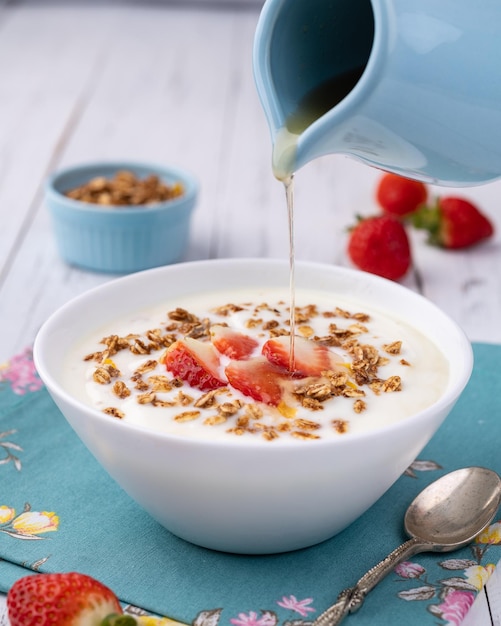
[[408, 86], [307, 62]]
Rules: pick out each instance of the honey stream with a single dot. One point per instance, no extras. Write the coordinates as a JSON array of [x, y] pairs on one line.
[[314, 105], [289, 195]]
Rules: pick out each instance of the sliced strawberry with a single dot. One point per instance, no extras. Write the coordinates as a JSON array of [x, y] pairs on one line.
[[258, 378], [231, 343], [68, 599], [195, 362], [310, 358]]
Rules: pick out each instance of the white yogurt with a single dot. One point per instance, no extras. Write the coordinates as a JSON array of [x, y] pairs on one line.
[[420, 367]]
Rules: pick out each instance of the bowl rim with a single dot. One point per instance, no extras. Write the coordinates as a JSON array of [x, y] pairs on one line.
[[187, 178], [447, 399]]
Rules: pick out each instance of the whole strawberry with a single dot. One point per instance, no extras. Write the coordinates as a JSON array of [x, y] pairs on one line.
[[69, 599], [453, 223], [380, 245], [400, 196]]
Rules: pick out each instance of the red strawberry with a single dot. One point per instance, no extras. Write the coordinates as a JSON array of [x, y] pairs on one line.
[[257, 378], [310, 358], [231, 343], [400, 196], [380, 245], [195, 362], [453, 223], [69, 599]]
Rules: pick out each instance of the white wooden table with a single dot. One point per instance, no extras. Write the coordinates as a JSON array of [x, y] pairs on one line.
[[172, 83]]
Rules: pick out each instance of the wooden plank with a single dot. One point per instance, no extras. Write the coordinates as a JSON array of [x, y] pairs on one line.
[[465, 283], [43, 89], [493, 598], [144, 105], [4, 620], [479, 613]]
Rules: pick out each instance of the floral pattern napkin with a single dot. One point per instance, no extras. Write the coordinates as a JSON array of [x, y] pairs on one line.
[[60, 511]]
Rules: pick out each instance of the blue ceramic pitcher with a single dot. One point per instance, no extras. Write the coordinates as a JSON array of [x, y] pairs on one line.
[[408, 86]]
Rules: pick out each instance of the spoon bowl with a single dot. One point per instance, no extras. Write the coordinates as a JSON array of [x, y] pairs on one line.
[[446, 515], [454, 509]]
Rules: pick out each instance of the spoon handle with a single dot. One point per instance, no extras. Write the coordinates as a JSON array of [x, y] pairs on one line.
[[351, 599]]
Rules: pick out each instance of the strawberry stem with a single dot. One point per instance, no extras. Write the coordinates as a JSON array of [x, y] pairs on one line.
[[115, 619], [429, 218]]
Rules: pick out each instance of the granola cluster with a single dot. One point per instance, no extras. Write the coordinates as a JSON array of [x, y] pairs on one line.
[[125, 189], [150, 383]]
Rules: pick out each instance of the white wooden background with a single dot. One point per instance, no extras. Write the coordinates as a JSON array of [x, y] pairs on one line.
[[172, 83]]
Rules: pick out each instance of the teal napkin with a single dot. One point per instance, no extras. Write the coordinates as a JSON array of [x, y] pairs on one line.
[[60, 511]]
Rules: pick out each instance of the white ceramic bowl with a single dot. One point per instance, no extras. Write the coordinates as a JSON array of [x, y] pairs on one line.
[[256, 497]]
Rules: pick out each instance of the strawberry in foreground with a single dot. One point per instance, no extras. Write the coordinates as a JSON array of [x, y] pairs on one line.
[[380, 245], [195, 362], [259, 379], [232, 343], [453, 223], [69, 599], [400, 196], [310, 358]]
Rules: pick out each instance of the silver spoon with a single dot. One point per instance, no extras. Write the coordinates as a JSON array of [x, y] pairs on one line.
[[446, 515]]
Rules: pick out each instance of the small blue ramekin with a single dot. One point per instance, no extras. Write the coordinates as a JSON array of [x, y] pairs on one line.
[[120, 239]]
